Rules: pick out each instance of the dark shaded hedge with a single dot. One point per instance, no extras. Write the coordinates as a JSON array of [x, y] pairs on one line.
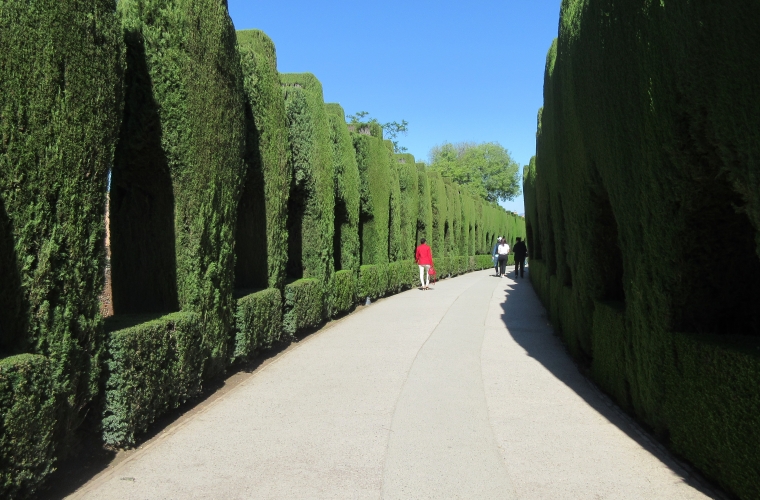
[[304, 306], [184, 87], [61, 65], [261, 237], [27, 420], [644, 193], [346, 237], [311, 207], [154, 366], [259, 323]]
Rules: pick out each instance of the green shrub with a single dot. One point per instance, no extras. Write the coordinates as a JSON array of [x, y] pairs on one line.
[[483, 262], [373, 159], [304, 304], [154, 365], [713, 407], [373, 281], [643, 192], [61, 68], [425, 210], [27, 420], [343, 293], [311, 207], [182, 146], [346, 237], [261, 238], [409, 190], [258, 321]]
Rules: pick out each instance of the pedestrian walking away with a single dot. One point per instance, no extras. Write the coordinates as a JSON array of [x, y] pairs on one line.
[[495, 253], [520, 251], [424, 257], [503, 252]]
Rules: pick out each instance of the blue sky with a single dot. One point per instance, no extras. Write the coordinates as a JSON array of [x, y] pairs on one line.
[[456, 71]]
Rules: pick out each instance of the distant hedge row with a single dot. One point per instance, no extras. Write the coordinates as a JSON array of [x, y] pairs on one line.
[[242, 210], [642, 217]]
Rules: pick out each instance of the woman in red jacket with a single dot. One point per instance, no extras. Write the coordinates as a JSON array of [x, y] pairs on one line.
[[424, 257]]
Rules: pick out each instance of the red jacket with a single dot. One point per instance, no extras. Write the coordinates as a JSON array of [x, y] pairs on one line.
[[423, 255]]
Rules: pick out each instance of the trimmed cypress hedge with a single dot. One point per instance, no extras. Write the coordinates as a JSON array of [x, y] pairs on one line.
[[61, 68], [440, 225], [304, 306], [259, 323], [409, 187], [373, 281], [311, 207], [346, 237], [643, 193], [343, 294], [372, 158], [182, 139], [425, 210], [27, 420], [155, 364], [261, 237]]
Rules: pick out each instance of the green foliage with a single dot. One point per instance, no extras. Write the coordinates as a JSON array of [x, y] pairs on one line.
[[373, 281], [185, 87], [644, 192], [259, 323], [154, 366], [425, 207], [391, 130], [347, 187], [395, 236], [438, 204], [343, 294], [261, 237], [311, 207], [373, 160], [486, 169], [409, 189], [27, 419], [304, 306], [61, 68]]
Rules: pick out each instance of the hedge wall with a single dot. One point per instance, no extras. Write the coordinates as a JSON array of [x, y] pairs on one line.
[[61, 68], [258, 322], [261, 238], [27, 420], [372, 158], [395, 237], [425, 208], [409, 188], [343, 293], [304, 306], [154, 365], [438, 204], [183, 70], [644, 193], [311, 205], [347, 182]]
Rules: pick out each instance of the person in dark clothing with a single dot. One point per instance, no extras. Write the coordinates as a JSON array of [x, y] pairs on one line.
[[520, 251]]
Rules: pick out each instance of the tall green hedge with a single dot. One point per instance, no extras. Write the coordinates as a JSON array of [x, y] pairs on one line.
[[438, 204], [312, 193], [395, 236], [347, 186], [372, 157], [261, 238], [27, 420], [61, 67], [644, 193], [409, 187], [425, 208], [184, 130]]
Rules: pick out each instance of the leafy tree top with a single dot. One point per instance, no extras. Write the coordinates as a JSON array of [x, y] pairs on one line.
[[391, 130], [487, 169]]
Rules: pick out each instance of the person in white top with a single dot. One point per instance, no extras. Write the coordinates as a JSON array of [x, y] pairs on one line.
[[503, 252]]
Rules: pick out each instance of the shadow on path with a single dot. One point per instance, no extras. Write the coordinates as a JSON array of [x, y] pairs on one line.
[[545, 346]]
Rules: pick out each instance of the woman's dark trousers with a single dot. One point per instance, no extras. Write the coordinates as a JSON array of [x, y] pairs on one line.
[[502, 264]]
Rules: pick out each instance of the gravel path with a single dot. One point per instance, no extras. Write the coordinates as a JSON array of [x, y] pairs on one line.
[[458, 392]]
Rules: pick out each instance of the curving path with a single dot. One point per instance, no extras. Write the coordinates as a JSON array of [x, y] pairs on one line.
[[459, 392]]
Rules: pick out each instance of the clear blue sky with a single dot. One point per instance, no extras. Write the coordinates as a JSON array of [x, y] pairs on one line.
[[456, 71]]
